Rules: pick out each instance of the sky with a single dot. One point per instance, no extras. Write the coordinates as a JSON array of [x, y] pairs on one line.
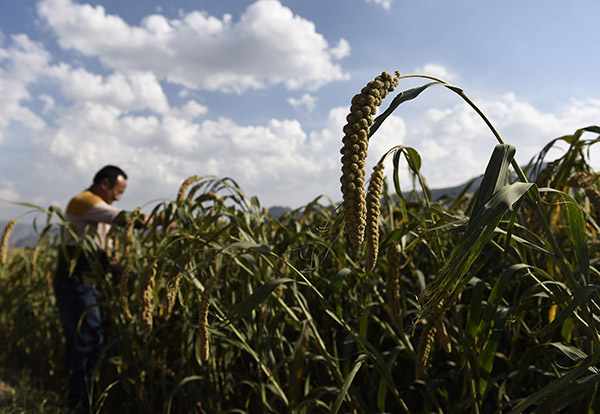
[[258, 91]]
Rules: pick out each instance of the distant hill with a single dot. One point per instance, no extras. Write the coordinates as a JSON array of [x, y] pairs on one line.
[[23, 235]]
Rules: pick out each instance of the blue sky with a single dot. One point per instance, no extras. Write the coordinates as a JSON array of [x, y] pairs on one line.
[[258, 90]]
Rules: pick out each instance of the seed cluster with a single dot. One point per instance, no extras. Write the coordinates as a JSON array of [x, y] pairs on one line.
[[545, 176], [203, 318], [442, 334], [354, 152], [208, 196], [424, 348], [33, 259], [4, 243], [124, 278], [129, 226], [543, 179], [124, 294], [594, 195], [146, 300], [373, 210], [172, 290], [435, 327], [185, 185], [392, 285], [586, 180], [582, 179]]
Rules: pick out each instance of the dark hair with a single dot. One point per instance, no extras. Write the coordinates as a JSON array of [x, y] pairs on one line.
[[111, 172]]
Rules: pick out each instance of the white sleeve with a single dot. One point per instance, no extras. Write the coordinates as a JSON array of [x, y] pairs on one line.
[[101, 213]]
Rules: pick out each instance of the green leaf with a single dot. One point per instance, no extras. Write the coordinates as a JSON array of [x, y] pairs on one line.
[[581, 295], [496, 174], [404, 96], [558, 386], [177, 388], [578, 235], [344, 390], [242, 309], [480, 231], [397, 187], [260, 248]]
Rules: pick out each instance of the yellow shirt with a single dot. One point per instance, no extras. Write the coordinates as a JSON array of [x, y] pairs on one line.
[[90, 213]]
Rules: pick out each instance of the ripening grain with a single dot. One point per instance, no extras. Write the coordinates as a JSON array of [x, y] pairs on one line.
[[354, 152], [4, 243], [373, 210]]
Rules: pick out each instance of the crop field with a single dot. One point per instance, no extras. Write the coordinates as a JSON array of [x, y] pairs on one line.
[[481, 302]]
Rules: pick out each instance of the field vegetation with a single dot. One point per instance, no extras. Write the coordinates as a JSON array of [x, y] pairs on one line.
[[485, 301]]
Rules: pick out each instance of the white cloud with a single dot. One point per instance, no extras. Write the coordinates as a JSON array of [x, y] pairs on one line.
[[456, 144], [386, 4], [438, 71], [273, 160], [49, 103], [307, 100], [269, 45], [7, 191], [132, 91], [23, 60], [391, 133], [327, 143], [341, 50], [190, 110]]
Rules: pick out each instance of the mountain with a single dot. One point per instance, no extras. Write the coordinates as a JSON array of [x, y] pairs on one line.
[[22, 235]]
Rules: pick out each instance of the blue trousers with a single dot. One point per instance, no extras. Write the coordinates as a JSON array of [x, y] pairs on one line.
[[82, 325]]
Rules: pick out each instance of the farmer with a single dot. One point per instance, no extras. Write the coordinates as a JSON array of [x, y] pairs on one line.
[[91, 214]]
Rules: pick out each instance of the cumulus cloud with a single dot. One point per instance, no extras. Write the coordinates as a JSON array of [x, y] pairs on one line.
[[327, 142], [386, 4], [131, 91], [124, 117], [268, 45], [7, 190], [341, 50], [456, 144], [21, 63], [275, 159], [438, 71], [306, 100]]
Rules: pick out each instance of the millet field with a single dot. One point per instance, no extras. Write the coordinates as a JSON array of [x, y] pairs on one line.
[[486, 301]]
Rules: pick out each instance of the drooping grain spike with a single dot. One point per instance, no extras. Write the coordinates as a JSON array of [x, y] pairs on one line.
[[354, 152], [185, 185], [193, 191], [129, 226], [442, 334], [545, 176], [373, 210], [392, 286], [4, 243], [582, 179], [124, 295], [208, 196], [428, 337], [203, 318], [146, 300], [171, 296], [424, 348], [33, 259], [594, 197]]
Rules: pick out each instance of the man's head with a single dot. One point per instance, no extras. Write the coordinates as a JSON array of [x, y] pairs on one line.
[[109, 183]]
